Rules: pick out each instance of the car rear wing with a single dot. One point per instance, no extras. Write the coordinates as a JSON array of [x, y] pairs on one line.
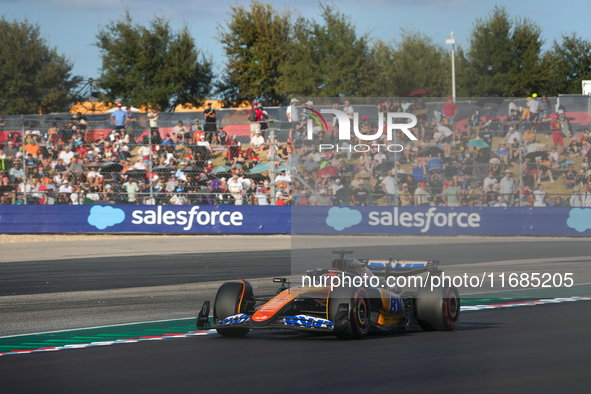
[[393, 267]]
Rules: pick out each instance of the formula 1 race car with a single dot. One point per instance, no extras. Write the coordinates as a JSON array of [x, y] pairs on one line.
[[347, 300]]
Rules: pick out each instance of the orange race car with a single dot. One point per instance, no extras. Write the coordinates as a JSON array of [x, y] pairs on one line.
[[347, 300]]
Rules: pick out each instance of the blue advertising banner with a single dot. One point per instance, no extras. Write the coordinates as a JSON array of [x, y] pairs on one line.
[[168, 219], [230, 219], [557, 221]]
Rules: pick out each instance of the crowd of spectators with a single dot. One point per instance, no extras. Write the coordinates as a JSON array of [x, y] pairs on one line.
[[486, 159], [476, 161], [71, 163]]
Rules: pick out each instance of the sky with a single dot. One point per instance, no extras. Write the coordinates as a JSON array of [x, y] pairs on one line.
[[72, 25]]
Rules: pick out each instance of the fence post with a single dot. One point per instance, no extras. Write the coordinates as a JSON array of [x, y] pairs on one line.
[[23, 159], [520, 168], [272, 169]]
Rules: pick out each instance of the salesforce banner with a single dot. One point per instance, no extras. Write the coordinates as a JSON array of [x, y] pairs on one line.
[[442, 221], [230, 219], [169, 219]]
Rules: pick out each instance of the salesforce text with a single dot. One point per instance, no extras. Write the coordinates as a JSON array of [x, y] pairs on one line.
[[424, 219], [171, 218]]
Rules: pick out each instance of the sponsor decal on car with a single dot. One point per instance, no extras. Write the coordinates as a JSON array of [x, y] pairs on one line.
[[311, 322], [235, 319]]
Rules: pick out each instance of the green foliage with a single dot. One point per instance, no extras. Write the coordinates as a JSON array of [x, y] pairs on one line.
[[329, 59], [152, 65], [256, 42], [505, 57], [571, 60], [34, 78], [414, 62]]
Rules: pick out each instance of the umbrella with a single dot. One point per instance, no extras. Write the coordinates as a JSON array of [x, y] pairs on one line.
[[111, 167], [133, 109], [262, 167], [328, 171], [137, 173], [542, 154], [430, 151], [163, 168], [478, 143], [419, 92], [219, 169], [192, 169], [44, 188]]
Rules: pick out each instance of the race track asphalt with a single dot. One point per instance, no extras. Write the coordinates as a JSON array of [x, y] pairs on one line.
[[526, 349], [542, 349], [104, 273]]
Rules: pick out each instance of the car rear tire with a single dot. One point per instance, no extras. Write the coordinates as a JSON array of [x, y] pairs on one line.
[[438, 309], [231, 299], [357, 321]]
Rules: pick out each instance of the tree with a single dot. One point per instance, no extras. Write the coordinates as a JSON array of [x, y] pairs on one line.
[[414, 62], [329, 59], [34, 78], [571, 60], [152, 65], [256, 43], [504, 57]]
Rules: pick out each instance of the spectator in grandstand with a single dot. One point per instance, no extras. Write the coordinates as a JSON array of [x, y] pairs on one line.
[[421, 197], [502, 152], [539, 196], [66, 155], [500, 202], [310, 166], [293, 115], [66, 186], [320, 198], [348, 110], [264, 118], [130, 125], [206, 147], [512, 136], [235, 187], [575, 199], [336, 185], [33, 148], [490, 180], [513, 108], [544, 168], [406, 197], [254, 118], [131, 188], [197, 131], [210, 129], [7, 188], [16, 173], [179, 132], [153, 116], [390, 188], [534, 106], [507, 188], [450, 110], [495, 167], [10, 150], [257, 141], [262, 195], [118, 118], [451, 195], [570, 177], [222, 137]]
